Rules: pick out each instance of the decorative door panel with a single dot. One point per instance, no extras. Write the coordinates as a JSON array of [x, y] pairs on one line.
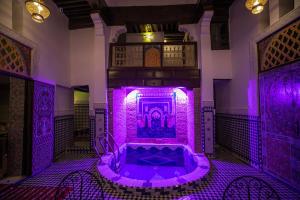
[[280, 108], [152, 56], [43, 126]]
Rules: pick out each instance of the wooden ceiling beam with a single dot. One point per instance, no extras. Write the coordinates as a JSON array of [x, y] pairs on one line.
[[76, 6], [152, 14], [160, 15], [71, 2], [78, 12]]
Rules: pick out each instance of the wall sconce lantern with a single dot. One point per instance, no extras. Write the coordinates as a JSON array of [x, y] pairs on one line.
[[148, 37], [38, 10], [255, 6]]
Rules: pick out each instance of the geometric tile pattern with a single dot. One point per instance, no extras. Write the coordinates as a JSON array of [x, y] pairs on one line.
[[15, 135], [225, 168], [64, 132], [280, 117], [280, 48], [240, 134], [92, 132], [43, 126], [81, 119], [208, 129]]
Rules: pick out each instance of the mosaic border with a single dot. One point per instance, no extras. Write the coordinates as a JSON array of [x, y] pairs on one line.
[[208, 109]]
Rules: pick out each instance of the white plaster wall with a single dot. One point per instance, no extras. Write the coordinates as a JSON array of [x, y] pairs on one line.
[[239, 96], [214, 64], [64, 99], [51, 48], [6, 13], [89, 60], [50, 38], [82, 56]]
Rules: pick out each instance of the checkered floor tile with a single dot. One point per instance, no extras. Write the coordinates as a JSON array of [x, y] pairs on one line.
[[225, 168]]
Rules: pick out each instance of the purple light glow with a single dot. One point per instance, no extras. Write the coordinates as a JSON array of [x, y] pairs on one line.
[[157, 172], [180, 95], [131, 96], [127, 116]]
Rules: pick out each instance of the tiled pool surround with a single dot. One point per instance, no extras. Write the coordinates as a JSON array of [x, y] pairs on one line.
[[154, 169]]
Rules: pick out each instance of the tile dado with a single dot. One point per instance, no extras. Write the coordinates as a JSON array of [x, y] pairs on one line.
[[241, 134], [92, 132], [64, 131]]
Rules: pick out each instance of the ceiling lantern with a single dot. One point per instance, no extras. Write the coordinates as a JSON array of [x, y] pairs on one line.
[[255, 6], [38, 10]]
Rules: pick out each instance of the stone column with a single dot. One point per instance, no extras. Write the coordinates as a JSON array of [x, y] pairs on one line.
[[98, 93], [207, 98], [99, 86]]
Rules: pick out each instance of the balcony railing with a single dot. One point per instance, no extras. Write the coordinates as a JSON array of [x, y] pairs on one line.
[[154, 55]]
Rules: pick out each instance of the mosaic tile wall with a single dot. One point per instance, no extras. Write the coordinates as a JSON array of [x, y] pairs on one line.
[[191, 120], [180, 114], [208, 130], [156, 116], [119, 116], [241, 134], [81, 119], [191, 113], [101, 130], [280, 115], [92, 131], [64, 132], [16, 125], [43, 126], [197, 119]]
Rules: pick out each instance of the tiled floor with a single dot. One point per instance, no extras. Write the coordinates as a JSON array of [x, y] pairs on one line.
[[225, 169]]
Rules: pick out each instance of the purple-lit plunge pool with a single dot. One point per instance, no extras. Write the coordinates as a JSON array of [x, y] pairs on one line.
[[154, 166]]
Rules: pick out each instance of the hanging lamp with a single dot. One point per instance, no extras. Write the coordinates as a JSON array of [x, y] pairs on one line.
[[255, 6], [38, 10]]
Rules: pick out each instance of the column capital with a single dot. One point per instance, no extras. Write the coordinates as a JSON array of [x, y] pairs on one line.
[[98, 24], [206, 17], [204, 22], [115, 31]]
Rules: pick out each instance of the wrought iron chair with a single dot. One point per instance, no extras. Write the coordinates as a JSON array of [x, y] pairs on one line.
[[79, 185], [251, 188]]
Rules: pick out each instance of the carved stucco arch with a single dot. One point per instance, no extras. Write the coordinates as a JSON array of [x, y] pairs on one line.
[[115, 32]]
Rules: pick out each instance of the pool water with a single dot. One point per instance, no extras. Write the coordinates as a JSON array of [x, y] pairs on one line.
[[155, 163]]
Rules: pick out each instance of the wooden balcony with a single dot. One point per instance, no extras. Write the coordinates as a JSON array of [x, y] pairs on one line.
[[153, 64]]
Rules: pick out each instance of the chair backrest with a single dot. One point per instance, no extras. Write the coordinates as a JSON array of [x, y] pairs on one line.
[[249, 188], [79, 185]]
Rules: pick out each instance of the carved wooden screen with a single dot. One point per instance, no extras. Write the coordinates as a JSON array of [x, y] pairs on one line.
[[14, 56], [280, 48]]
